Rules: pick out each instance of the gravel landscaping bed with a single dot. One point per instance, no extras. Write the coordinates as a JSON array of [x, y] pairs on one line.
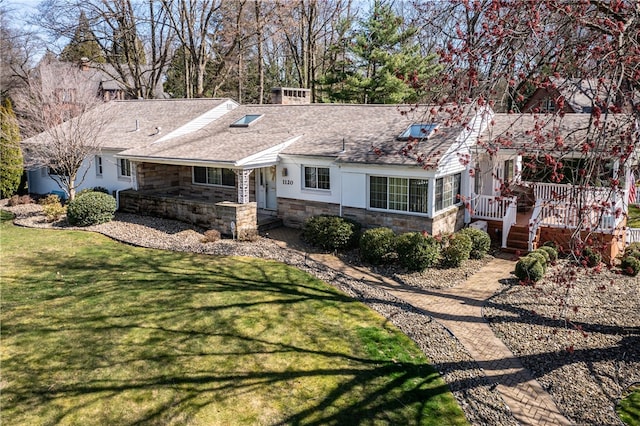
[[588, 361], [585, 375]]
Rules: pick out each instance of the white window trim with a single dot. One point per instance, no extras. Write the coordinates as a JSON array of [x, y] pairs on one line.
[[444, 208], [304, 180], [99, 165], [217, 185], [405, 212], [121, 175]]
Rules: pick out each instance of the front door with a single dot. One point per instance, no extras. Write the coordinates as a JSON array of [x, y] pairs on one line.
[[267, 199]]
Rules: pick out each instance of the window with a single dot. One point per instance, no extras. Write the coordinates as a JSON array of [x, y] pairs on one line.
[[418, 131], [98, 161], [549, 105], [247, 120], [508, 171], [124, 167], [477, 179], [448, 191], [316, 178], [400, 194], [214, 176]]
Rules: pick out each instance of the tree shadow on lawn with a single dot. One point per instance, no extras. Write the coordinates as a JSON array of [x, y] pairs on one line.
[[94, 339]]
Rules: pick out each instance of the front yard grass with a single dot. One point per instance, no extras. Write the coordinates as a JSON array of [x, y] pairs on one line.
[[633, 220], [97, 332]]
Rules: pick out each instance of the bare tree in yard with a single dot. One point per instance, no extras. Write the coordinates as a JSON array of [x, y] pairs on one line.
[[64, 118], [500, 53]]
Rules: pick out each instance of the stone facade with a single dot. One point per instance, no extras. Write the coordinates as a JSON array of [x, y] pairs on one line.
[[179, 180], [209, 215], [294, 212]]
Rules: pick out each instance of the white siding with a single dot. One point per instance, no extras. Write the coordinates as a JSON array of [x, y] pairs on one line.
[[41, 183]]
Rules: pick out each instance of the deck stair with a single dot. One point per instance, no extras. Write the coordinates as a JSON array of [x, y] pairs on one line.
[[518, 239]]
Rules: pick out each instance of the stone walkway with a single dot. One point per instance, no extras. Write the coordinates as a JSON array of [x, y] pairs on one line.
[[459, 309]]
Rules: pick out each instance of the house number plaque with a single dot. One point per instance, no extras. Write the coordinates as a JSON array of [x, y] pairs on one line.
[[287, 182]]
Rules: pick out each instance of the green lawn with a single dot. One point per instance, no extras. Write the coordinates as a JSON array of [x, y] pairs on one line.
[[97, 332], [634, 217], [629, 407]]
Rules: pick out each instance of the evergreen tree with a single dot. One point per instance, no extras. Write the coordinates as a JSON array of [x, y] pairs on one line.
[[380, 63], [11, 162], [83, 44]]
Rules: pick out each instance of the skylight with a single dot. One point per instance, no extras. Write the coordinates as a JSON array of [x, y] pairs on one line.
[[418, 131], [247, 120]]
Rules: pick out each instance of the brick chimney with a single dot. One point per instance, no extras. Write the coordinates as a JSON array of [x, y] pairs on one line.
[[290, 96]]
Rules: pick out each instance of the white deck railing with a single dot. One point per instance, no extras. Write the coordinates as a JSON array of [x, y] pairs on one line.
[[633, 235], [490, 207]]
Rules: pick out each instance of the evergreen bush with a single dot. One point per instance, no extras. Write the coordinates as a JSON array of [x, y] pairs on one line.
[[377, 245], [552, 252], [542, 258], [529, 269], [330, 232], [456, 250], [591, 257], [416, 251], [91, 208], [480, 242], [630, 265]]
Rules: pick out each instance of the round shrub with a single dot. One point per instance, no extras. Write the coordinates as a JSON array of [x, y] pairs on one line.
[[591, 257], [376, 245], [456, 250], [547, 257], [542, 258], [329, 232], [91, 208], [417, 252], [630, 265], [632, 253], [528, 269], [632, 247], [551, 252], [480, 242]]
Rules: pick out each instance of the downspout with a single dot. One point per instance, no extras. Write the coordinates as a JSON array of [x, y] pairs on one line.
[[118, 196]]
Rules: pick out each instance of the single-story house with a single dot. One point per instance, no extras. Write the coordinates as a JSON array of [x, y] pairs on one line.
[[128, 124], [411, 168]]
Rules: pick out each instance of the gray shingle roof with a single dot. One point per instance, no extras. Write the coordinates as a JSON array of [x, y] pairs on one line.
[[320, 129], [119, 131], [538, 132]]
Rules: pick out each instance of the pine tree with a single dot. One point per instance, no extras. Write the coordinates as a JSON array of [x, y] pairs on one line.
[[380, 63], [83, 44], [11, 162]]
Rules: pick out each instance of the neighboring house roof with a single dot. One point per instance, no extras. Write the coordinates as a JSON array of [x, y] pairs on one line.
[[138, 123], [349, 133], [103, 77], [537, 133]]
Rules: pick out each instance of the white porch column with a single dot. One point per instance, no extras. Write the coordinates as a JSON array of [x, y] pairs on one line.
[[243, 185]]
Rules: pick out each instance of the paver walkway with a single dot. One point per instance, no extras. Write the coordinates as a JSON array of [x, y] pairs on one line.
[[460, 310]]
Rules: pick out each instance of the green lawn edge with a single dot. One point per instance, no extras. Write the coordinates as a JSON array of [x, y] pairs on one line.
[[99, 332]]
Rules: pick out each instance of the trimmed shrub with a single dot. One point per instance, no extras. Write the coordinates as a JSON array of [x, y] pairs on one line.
[[377, 245], [16, 200], [101, 189], [632, 247], [547, 257], [551, 244], [91, 208], [53, 210], [632, 253], [416, 251], [49, 199], [542, 258], [551, 252], [630, 265], [591, 257], [330, 232], [480, 242], [529, 269], [211, 236], [456, 250]]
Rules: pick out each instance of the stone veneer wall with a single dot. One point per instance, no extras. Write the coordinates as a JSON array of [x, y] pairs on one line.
[[294, 212], [217, 215], [153, 176]]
